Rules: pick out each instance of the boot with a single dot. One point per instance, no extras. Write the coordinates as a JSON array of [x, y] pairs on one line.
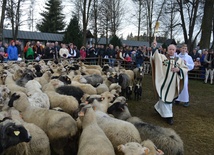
[[169, 120]]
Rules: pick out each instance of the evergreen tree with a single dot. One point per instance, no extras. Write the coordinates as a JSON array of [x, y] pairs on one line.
[[73, 33], [52, 21], [115, 40]]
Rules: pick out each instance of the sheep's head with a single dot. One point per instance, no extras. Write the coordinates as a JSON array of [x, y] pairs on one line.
[[133, 148], [118, 107], [12, 134], [4, 93], [12, 99], [65, 79], [108, 96], [151, 146], [56, 83], [90, 99]]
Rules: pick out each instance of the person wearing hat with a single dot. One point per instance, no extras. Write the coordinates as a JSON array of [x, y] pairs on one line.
[[12, 52], [197, 64]]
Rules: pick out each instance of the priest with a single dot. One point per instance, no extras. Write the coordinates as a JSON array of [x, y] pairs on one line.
[[168, 74]]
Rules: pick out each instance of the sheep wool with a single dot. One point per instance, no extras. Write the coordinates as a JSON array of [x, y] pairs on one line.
[[58, 126], [93, 140], [117, 131]]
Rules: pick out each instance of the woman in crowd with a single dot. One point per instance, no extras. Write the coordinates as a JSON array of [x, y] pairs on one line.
[[12, 52], [82, 53]]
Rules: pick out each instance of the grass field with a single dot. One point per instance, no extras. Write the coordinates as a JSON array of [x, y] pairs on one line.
[[195, 124]]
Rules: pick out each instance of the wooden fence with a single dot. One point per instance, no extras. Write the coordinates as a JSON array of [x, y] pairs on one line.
[[198, 74]]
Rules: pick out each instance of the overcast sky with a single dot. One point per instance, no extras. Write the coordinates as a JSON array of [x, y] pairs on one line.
[[126, 27]]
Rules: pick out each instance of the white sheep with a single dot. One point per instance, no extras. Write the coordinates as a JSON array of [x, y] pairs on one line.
[[145, 148], [91, 66], [4, 96], [52, 85], [93, 140], [35, 95], [44, 79], [102, 102], [117, 131], [133, 148], [115, 86], [101, 88], [86, 88], [79, 78], [90, 71], [58, 126], [11, 84]]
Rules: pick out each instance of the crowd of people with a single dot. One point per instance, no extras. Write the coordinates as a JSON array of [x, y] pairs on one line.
[[14, 51]]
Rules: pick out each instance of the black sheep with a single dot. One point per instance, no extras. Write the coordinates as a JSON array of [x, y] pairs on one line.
[[138, 91], [12, 134], [71, 91], [38, 70]]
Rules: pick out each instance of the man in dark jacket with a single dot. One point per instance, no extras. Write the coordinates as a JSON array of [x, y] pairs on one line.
[[18, 46], [111, 55]]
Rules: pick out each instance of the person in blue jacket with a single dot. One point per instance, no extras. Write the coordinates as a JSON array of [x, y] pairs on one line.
[[12, 52]]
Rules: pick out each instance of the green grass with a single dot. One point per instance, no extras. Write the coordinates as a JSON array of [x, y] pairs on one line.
[[195, 124]]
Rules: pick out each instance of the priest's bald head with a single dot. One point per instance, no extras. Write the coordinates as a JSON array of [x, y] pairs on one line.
[[171, 50]]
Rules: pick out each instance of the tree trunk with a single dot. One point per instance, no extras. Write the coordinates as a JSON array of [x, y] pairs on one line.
[[17, 20], [183, 21], [207, 24], [139, 20], [85, 13], [2, 18]]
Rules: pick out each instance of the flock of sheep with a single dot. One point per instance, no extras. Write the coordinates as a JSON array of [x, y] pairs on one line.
[[77, 109]]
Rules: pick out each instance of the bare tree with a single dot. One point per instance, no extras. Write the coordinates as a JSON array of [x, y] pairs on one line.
[[31, 15], [207, 24], [138, 5], [152, 15], [14, 13], [116, 13], [170, 18], [94, 18], [4, 2], [190, 14], [104, 18], [83, 7]]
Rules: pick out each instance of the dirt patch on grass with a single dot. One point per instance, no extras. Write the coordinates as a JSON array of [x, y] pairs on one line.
[[195, 124]]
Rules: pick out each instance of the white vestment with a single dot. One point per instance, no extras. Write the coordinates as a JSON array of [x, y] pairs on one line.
[[184, 95], [167, 84], [165, 110]]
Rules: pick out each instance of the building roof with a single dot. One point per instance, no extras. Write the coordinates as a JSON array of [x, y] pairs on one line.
[[133, 43], [27, 35]]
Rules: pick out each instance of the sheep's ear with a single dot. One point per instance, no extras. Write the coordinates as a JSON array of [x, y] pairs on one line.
[[94, 108], [121, 148], [159, 152], [146, 151], [81, 113]]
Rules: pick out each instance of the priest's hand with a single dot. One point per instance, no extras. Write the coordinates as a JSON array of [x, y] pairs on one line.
[[175, 69]]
